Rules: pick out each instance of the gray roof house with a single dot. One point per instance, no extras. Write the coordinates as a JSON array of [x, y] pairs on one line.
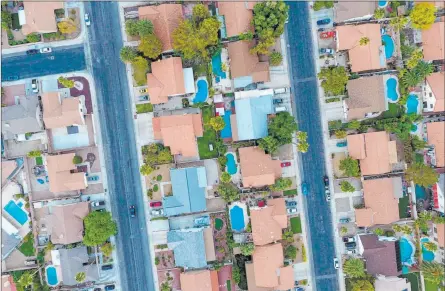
[[9, 243], [21, 118], [188, 247], [189, 188], [76, 260]]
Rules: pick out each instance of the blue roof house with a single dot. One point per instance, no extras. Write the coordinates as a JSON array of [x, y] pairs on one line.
[[189, 188], [188, 247], [252, 109]]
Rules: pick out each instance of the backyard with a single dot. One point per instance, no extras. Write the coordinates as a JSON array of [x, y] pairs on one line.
[[209, 137], [431, 286], [413, 278], [403, 206], [295, 223], [27, 247]]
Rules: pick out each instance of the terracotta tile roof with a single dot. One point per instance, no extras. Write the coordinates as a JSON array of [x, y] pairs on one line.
[[40, 16], [257, 168], [243, 63], [238, 17], [440, 235], [269, 270], [374, 150], [179, 132], [366, 95], [433, 41], [61, 179], [165, 18], [166, 79], [203, 280], [251, 283], [268, 222], [436, 137], [7, 168], [381, 256], [436, 81], [380, 201], [61, 112], [362, 58], [349, 10]]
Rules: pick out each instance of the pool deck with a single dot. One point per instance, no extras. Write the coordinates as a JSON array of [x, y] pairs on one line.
[[243, 206], [236, 178], [8, 195]]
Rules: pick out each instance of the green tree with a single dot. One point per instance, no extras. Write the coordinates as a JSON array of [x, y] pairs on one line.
[[399, 22], [270, 17], [33, 37], [334, 80], [290, 252], [128, 54], [354, 124], [217, 123], [146, 169], [432, 272], [199, 13], [432, 247], [34, 154], [379, 231], [49, 247], [269, 144], [131, 27], [418, 143], [77, 160], [165, 286], [411, 79], [248, 35], [247, 249], [144, 27], [275, 58], [354, 268], [424, 69], [281, 184], [225, 177], [26, 279], [288, 235], [362, 285], [379, 13], [262, 46], [364, 41], [340, 133], [345, 186], [236, 275], [99, 226], [228, 192], [320, 4], [423, 15], [107, 249], [282, 127], [414, 59], [350, 167], [66, 82], [150, 46], [343, 230], [303, 147], [422, 174], [6, 20], [80, 277], [67, 26]]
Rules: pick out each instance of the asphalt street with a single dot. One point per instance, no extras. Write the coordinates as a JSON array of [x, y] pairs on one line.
[[60, 60], [119, 144], [305, 91]]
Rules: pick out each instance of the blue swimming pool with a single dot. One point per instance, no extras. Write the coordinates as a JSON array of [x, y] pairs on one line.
[[412, 104], [227, 130], [427, 255], [51, 276], [216, 67], [414, 128], [237, 218], [20, 204], [203, 91], [420, 192], [231, 164], [388, 42], [391, 89], [406, 252], [16, 212], [383, 3]]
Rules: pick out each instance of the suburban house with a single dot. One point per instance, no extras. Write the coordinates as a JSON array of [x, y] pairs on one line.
[[375, 151], [268, 222], [168, 78], [382, 257], [10, 238], [391, 283], [436, 139], [8, 283], [439, 238], [61, 174], [192, 247], [366, 97], [165, 18], [8, 169], [439, 194], [62, 224], [246, 68], [353, 11], [179, 132], [189, 191], [369, 57], [268, 271], [433, 41], [381, 197], [202, 280], [434, 93], [22, 118], [69, 262], [254, 107], [237, 17], [257, 168], [39, 16]]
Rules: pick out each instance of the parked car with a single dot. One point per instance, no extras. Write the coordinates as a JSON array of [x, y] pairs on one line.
[[326, 51], [291, 210], [145, 90], [328, 195], [34, 86], [110, 287], [291, 203], [323, 21], [155, 204], [46, 50], [132, 211], [143, 98], [350, 245], [277, 101], [157, 212], [107, 267], [327, 34], [97, 203], [32, 52], [351, 252], [336, 264], [280, 109], [347, 239], [87, 19], [342, 144], [326, 181], [97, 289], [30, 262], [344, 220], [285, 164], [304, 189]]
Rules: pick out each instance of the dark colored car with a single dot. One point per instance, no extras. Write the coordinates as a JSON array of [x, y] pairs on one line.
[[304, 189], [350, 245], [323, 21], [326, 181], [32, 52], [132, 211], [155, 204], [109, 287], [344, 220], [107, 267], [277, 101], [97, 289]]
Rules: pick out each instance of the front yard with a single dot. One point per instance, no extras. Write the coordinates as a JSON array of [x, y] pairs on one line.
[[295, 224], [209, 137], [144, 108]]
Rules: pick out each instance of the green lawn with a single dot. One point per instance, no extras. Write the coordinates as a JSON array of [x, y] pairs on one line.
[[430, 286], [413, 278], [394, 110], [140, 75], [403, 204], [144, 108], [295, 224], [418, 158], [39, 161], [209, 136], [27, 248], [290, 192], [229, 285]]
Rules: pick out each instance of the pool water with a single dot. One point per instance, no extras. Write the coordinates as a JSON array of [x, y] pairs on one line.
[[216, 67], [420, 193], [51, 276], [20, 204], [227, 130], [237, 218], [406, 252], [203, 91], [16, 212], [383, 3], [414, 128], [391, 89], [389, 45], [427, 255], [412, 104], [231, 164]]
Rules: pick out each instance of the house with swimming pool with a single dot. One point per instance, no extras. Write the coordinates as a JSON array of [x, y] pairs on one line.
[[10, 238], [205, 280], [257, 168], [436, 139], [433, 40], [433, 93]]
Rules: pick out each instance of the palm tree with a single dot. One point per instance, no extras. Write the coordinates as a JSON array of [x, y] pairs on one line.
[[26, 279], [424, 69], [430, 246], [399, 22], [432, 272], [364, 41], [80, 277], [354, 268], [411, 79]]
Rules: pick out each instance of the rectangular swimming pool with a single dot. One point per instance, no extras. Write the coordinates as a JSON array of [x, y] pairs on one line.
[[16, 212], [226, 132]]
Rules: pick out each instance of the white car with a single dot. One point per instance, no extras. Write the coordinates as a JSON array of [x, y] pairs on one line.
[[87, 19], [291, 210], [351, 252], [34, 86], [45, 50], [336, 264], [157, 212]]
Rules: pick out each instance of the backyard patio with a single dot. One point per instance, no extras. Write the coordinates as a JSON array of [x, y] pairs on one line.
[[219, 226]]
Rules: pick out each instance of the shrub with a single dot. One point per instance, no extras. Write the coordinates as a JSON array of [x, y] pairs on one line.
[[66, 82], [77, 160], [34, 154], [159, 178], [346, 187], [33, 37], [155, 188], [275, 58]]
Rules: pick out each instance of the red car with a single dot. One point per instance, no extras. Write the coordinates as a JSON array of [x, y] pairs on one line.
[[156, 204], [285, 164], [327, 34]]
